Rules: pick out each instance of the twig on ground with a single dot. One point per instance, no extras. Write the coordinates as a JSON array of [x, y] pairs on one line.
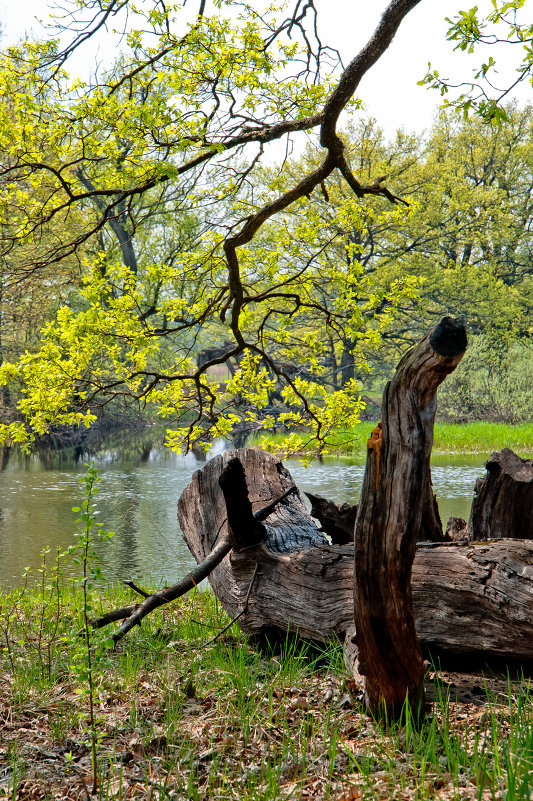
[[197, 575]]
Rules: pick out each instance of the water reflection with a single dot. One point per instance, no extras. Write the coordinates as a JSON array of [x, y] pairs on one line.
[[137, 499]]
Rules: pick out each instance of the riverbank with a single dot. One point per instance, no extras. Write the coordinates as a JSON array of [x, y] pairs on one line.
[[449, 438], [180, 716]]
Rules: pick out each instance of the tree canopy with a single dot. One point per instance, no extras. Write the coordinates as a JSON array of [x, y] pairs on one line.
[[158, 246]]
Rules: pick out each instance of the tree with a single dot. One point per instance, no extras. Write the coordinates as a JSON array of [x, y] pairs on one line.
[[486, 92], [178, 127], [461, 245], [192, 112], [28, 301]]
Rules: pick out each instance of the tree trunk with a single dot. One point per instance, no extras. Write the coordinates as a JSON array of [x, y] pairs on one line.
[[467, 598], [389, 521], [431, 524], [503, 500], [347, 365]]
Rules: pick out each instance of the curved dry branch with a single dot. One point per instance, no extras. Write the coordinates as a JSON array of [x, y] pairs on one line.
[[334, 159], [390, 21], [197, 575]]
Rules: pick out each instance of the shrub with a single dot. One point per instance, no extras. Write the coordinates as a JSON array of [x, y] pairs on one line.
[[493, 382]]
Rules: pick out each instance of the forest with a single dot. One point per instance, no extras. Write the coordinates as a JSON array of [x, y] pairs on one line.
[[209, 234], [123, 201]]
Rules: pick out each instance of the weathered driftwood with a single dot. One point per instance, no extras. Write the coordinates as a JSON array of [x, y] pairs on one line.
[[503, 500], [336, 521], [467, 598], [395, 500], [456, 530]]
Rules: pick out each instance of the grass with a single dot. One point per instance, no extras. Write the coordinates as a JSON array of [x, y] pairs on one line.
[[449, 438], [483, 437], [182, 720]]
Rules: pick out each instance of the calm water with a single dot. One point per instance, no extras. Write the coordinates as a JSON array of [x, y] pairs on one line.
[[137, 500]]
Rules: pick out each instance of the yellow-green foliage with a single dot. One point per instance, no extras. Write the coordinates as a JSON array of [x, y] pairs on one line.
[[111, 157], [120, 200]]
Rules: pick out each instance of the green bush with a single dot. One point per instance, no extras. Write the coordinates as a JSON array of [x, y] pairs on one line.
[[493, 382]]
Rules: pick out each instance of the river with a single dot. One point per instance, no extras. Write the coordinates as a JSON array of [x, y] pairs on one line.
[[137, 500]]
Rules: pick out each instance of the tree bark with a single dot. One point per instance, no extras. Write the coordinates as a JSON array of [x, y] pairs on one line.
[[467, 598], [503, 500], [389, 521], [337, 522]]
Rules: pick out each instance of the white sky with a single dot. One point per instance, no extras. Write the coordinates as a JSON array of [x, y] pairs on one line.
[[389, 90]]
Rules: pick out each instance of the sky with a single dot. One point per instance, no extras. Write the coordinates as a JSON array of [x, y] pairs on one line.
[[389, 90]]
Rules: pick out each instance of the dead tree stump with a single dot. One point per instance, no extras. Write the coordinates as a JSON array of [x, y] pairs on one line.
[[337, 522], [392, 507], [503, 499]]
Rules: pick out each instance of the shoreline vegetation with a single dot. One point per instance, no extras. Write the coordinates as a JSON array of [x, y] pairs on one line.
[[179, 715], [479, 437]]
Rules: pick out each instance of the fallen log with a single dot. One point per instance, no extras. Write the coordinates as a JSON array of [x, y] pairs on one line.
[[468, 598]]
